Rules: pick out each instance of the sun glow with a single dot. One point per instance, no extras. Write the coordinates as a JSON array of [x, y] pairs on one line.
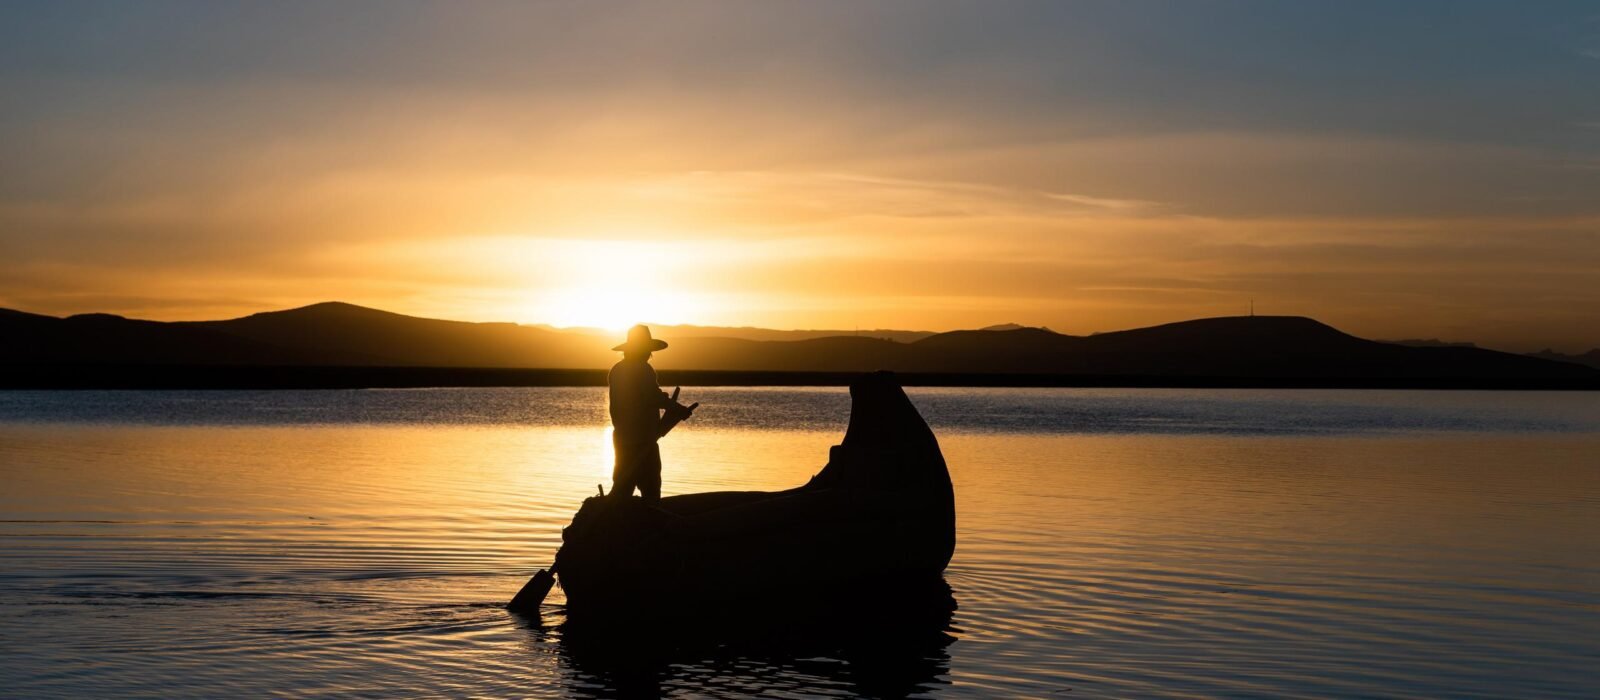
[[613, 285], [613, 308]]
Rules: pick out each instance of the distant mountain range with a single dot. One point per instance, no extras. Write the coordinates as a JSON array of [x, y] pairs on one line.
[[1430, 343], [1588, 359], [343, 335]]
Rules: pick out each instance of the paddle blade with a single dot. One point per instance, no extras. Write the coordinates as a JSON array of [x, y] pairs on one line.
[[533, 592]]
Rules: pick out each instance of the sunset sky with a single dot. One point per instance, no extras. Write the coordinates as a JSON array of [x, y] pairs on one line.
[[1426, 169]]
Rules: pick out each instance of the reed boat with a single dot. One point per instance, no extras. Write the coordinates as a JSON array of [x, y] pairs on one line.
[[877, 520]]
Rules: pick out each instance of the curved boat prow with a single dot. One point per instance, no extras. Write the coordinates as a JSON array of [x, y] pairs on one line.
[[888, 447]]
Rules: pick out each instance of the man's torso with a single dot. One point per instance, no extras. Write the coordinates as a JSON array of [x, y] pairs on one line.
[[635, 401]]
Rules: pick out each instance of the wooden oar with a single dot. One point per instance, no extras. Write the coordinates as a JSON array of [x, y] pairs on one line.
[[528, 600], [533, 593]]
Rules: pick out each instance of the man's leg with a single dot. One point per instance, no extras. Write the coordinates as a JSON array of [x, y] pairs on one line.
[[624, 473], [649, 474]]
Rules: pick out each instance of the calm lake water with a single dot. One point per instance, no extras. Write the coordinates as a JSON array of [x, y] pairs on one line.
[[1112, 543]]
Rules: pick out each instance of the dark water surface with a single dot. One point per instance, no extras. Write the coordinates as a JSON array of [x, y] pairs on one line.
[[1112, 543]]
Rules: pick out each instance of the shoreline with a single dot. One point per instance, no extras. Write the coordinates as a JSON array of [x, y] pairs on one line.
[[181, 377]]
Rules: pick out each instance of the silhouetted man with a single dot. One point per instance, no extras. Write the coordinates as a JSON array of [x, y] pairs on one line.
[[636, 418]]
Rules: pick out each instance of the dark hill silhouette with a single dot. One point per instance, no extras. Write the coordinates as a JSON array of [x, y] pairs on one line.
[[107, 339], [1588, 359], [1024, 350], [1228, 346], [1009, 327], [836, 354], [344, 335], [1244, 346], [1430, 343], [1293, 334], [351, 334], [1282, 346]]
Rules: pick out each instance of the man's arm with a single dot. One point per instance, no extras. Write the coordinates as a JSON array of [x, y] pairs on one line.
[[651, 392]]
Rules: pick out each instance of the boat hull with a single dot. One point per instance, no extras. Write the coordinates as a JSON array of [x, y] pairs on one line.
[[879, 519]]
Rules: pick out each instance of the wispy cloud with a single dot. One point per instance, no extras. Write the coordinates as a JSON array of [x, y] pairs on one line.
[[841, 196], [1104, 202]]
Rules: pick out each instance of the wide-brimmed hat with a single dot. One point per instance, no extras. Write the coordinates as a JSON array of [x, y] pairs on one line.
[[639, 340]]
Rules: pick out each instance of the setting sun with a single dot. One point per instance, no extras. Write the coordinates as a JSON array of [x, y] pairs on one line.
[[613, 285], [612, 308]]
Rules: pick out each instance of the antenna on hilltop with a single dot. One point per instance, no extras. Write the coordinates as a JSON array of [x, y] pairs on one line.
[[1252, 308]]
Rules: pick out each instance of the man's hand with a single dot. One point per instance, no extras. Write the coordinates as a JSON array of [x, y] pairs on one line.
[[677, 411]]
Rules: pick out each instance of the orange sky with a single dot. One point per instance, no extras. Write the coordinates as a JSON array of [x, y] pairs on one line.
[[1428, 171]]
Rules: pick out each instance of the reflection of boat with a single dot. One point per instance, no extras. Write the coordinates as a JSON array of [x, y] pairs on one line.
[[888, 648], [879, 518]]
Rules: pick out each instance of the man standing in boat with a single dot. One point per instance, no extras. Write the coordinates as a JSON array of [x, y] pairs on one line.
[[637, 422]]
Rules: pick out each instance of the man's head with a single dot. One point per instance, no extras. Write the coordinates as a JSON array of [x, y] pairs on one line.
[[639, 344]]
